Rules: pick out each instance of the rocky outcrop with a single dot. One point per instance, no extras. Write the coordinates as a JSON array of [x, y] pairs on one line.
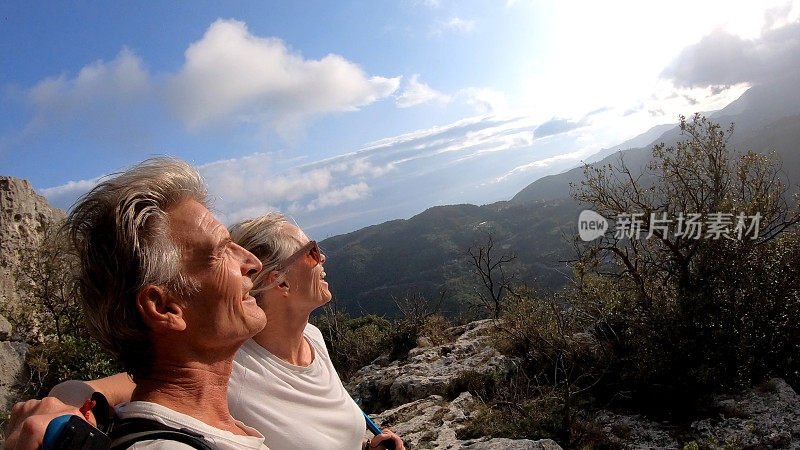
[[425, 418], [635, 431], [23, 217], [12, 356], [433, 422], [428, 369], [24, 214], [766, 417], [413, 396]]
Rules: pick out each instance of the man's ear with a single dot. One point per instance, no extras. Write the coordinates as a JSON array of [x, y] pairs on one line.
[[159, 309]]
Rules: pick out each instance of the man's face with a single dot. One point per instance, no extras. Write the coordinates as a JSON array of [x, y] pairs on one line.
[[221, 312]]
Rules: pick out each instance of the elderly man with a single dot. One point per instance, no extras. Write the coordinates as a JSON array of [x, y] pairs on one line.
[[167, 292]]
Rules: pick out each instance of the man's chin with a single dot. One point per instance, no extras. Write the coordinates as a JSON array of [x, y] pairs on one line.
[[257, 320]]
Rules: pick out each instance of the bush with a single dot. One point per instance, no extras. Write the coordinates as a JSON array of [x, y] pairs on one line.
[[545, 394], [356, 342], [686, 318], [72, 358]]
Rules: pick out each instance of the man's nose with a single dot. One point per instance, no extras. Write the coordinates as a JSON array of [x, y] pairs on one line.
[[250, 264]]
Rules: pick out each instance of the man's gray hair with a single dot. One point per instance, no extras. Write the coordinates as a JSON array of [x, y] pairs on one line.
[[267, 238], [120, 231]]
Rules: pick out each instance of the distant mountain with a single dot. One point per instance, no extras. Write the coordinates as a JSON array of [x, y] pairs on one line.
[[765, 118], [642, 140], [427, 253]]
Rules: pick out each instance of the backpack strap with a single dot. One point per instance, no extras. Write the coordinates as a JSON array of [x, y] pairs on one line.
[[126, 432]]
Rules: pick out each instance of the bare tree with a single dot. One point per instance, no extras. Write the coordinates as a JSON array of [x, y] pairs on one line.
[[491, 269], [417, 308]]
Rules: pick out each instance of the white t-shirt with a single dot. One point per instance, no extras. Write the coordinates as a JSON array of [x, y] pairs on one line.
[[294, 407], [224, 440]]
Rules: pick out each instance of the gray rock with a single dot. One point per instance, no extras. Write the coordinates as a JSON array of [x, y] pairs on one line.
[[428, 370], [5, 329], [433, 422], [23, 216], [635, 431], [765, 417], [12, 358], [510, 444]]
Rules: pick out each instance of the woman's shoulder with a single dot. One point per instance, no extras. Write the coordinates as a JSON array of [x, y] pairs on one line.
[[312, 332]]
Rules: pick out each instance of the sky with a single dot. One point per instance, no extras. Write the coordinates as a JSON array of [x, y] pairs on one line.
[[347, 114]]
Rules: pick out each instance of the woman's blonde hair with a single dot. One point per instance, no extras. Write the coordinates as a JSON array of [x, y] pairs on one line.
[[265, 237]]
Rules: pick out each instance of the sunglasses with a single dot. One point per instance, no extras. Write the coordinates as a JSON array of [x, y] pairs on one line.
[[311, 249]]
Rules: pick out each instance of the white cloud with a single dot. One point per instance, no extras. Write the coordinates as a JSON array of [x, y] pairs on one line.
[[229, 77], [120, 80], [723, 58], [63, 196], [339, 196], [363, 167], [397, 175], [102, 98], [417, 93], [485, 100], [249, 187], [454, 24], [232, 76], [546, 162], [250, 179]]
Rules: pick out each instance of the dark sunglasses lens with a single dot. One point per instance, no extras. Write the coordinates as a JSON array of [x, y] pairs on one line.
[[315, 254]]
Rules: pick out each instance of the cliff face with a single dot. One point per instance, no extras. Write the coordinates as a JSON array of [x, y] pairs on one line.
[[23, 217]]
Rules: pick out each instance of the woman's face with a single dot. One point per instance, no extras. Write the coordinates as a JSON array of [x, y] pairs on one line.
[[306, 278]]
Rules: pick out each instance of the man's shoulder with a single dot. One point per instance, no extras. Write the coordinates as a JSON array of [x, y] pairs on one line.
[[166, 416], [160, 444], [153, 411], [158, 415]]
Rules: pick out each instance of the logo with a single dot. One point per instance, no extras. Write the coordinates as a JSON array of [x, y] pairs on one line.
[[591, 225]]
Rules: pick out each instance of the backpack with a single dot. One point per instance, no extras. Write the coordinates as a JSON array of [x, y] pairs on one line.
[[74, 433], [126, 432]]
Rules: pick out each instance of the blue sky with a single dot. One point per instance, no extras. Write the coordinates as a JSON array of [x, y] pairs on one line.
[[345, 114]]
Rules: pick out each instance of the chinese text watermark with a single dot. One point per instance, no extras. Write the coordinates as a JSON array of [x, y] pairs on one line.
[[716, 225]]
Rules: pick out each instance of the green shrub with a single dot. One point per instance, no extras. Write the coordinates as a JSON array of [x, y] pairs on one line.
[[533, 419], [355, 342], [72, 358]]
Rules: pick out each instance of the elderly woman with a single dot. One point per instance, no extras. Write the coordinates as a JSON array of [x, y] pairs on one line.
[[282, 381]]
